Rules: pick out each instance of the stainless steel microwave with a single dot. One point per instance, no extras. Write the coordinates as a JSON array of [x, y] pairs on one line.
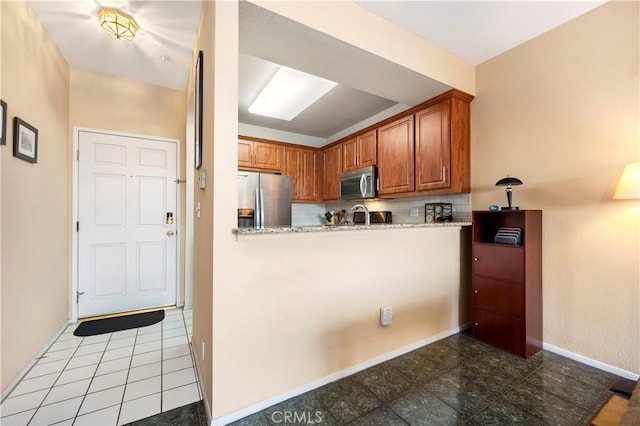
[[358, 184]]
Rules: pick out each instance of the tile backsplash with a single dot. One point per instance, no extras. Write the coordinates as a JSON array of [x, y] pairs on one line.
[[307, 214], [313, 214]]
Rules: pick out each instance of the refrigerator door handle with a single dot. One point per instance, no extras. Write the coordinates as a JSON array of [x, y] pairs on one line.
[[261, 208], [257, 213]]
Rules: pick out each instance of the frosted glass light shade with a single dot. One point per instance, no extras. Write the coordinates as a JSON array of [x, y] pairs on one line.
[[288, 93], [629, 184]]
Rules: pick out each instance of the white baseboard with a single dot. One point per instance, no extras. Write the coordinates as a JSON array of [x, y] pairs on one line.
[[252, 409], [592, 362], [7, 390]]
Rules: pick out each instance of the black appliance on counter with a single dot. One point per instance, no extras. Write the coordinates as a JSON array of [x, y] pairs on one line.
[[376, 217]]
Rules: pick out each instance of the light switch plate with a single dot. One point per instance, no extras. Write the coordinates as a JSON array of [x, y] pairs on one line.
[[203, 179]]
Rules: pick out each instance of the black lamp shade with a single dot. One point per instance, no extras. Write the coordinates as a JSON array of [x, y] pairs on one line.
[[508, 181]]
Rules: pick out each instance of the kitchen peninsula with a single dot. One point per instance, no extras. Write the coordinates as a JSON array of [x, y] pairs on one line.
[[317, 291], [339, 228]]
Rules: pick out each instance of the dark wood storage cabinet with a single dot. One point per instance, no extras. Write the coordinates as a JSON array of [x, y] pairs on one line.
[[507, 282]]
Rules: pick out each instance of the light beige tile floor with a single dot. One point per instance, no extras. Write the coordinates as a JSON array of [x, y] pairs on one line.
[[108, 379]]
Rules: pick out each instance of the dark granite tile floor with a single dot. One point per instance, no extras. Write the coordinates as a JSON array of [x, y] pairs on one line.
[[455, 381], [188, 415]]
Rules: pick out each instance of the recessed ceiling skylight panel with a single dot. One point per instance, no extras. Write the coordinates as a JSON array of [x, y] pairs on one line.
[[288, 93]]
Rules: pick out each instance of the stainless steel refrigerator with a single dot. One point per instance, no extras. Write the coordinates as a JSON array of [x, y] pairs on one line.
[[264, 199]]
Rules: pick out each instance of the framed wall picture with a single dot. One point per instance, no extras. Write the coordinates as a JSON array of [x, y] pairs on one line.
[[198, 112], [25, 141], [3, 122]]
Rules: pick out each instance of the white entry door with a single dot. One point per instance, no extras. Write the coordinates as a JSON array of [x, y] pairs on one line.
[[127, 238]]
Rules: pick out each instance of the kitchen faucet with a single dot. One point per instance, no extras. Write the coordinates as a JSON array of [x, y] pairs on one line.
[[367, 218]]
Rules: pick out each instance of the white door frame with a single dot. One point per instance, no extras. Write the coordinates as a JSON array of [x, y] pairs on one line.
[[74, 234]]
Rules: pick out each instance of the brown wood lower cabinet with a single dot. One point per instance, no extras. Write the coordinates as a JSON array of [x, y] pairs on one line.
[[507, 282], [501, 297], [499, 330], [497, 261]]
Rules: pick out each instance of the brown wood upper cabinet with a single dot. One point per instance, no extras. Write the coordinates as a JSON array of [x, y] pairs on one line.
[[442, 147], [302, 165], [395, 157], [331, 167], [258, 155], [438, 159], [359, 151], [433, 151]]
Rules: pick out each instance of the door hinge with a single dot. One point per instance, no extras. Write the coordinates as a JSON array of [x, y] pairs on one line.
[[78, 226], [78, 294]]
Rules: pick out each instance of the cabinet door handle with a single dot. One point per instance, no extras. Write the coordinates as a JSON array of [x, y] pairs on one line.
[[444, 174], [475, 291], [475, 259], [475, 324]]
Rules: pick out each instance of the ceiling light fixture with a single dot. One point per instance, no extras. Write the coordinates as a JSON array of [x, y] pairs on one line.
[[288, 93], [118, 24]]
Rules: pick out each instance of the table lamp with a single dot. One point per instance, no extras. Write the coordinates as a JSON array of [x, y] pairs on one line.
[[509, 182]]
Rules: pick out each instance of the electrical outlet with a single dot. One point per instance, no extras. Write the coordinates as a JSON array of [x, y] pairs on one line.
[[386, 315], [202, 340], [414, 212]]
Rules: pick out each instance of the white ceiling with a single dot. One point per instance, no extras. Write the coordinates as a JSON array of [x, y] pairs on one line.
[[368, 85], [164, 28], [478, 30]]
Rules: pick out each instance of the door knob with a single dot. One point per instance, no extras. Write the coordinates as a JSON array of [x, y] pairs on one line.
[[170, 233], [475, 291], [475, 259]]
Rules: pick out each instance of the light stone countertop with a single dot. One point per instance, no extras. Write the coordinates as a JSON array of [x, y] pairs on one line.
[[340, 228]]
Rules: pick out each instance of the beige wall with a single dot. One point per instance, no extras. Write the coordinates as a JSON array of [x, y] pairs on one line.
[[102, 101], [36, 198], [203, 225], [561, 113], [106, 102], [298, 308]]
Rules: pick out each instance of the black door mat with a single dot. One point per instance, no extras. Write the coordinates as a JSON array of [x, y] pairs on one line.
[[126, 322]]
